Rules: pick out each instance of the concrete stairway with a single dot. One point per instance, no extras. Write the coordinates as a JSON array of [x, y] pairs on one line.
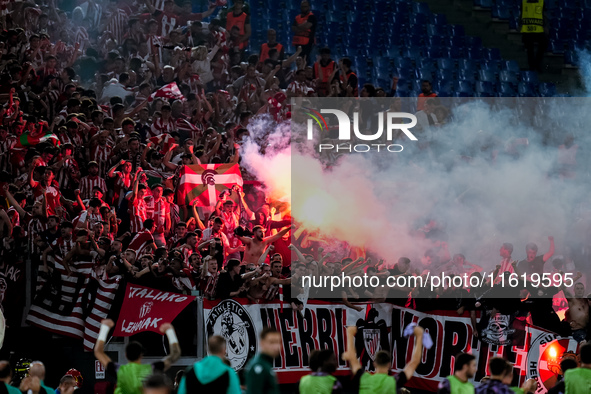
[[496, 34]]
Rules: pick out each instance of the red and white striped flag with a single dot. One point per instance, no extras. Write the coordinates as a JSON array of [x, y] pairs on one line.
[[205, 182], [101, 306], [281, 296], [170, 91], [63, 307]]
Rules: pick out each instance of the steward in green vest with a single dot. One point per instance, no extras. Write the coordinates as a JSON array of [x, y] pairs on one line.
[[532, 29], [458, 383], [381, 382], [578, 380], [131, 376], [322, 363]]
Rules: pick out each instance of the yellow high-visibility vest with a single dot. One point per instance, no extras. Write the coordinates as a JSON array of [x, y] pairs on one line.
[[532, 17]]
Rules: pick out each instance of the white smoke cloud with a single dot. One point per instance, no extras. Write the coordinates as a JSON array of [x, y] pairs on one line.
[[480, 181]]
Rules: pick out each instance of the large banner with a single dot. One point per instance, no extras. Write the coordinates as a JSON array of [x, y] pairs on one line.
[[535, 352], [72, 305], [146, 309]]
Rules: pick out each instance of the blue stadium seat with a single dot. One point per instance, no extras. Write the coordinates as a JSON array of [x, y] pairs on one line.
[[444, 88], [393, 51], [464, 87], [467, 64], [570, 57], [484, 94], [490, 65], [466, 75], [525, 89], [483, 3], [474, 53], [454, 52], [412, 53], [427, 63], [456, 41], [487, 76], [435, 30], [446, 64], [445, 75], [530, 77], [506, 76], [484, 87], [425, 73], [463, 94], [416, 84], [420, 8], [501, 13], [419, 20], [383, 63], [492, 54], [456, 30], [506, 89], [439, 19], [556, 46], [405, 72], [434, 52], [511, 65], [514, 23], [547, 89]]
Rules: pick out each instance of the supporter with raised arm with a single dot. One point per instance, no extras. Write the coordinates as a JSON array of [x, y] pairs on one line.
[[381, 382], [130, 376]]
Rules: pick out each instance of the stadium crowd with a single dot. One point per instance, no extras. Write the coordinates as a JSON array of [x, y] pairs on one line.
[[106, 101]]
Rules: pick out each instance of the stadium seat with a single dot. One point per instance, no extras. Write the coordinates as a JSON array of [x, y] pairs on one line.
[[421, 8], [500, 13], [435, 30], [412, 53], [434, 52], [530, 77], [484, 87], [466, 75], [445, 75], [439, 19], [427, 63], [425, 73], [454, 52], [506, 89], [444, 88], [463, 87], [525, 89], [475, 53], [416, 84], [467, 64], [511, 65], [547, 89], [404, 73], [508, 77], [403, 63], [492, 53], [446, 64], [456, 30], [483, 3], [487, 76], [490, 65]]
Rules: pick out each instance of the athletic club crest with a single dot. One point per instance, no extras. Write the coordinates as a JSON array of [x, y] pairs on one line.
[[372, 336], [230, 320], [371, 340]]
